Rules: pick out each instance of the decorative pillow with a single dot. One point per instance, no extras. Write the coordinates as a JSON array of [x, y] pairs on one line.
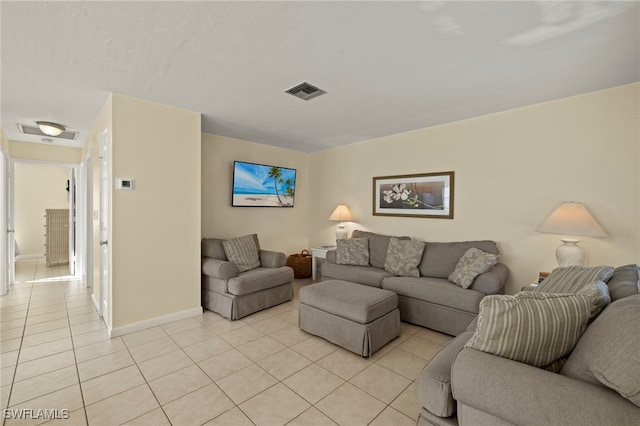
[[609, 352], [378, 246], [403, 257], [352, 251], [473, 263], [534, 328], [571, 279], [244, 252], [598, 293]]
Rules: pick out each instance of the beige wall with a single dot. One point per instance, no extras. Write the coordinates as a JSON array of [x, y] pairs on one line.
[[41, 152], [4, 142], [511, 170], [155, 229], [281, 229], [38, 187]]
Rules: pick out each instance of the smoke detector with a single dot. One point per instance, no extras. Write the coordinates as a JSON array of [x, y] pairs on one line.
[[305, 91]]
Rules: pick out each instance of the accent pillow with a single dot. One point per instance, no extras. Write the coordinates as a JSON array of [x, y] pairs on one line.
[[534, 328], [598, 293], [378, 246], [244, 252], [472, 263], [609, 352], [572, 278], [403, 257], [352, 251]]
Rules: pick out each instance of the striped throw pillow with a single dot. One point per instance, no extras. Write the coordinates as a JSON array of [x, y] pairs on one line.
[[533, 328], [244, 252], [573, 278]]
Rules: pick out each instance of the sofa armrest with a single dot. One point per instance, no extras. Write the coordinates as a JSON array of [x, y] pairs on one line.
[[521, 394], [272, 259], [492, 281], [221, 269], [331, 255]]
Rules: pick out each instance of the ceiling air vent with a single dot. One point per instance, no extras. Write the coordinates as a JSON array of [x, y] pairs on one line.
[[305, 91], [34, 130]]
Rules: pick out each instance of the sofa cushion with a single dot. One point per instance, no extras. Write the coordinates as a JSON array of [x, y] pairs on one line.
[[533, 328], [573, 278], [259, 279], [598, 293], [624, 282], [366, 275], [433, 385], [355, 302], [212, 247], [352, 251], [243, 252], [472, 263], [608, 354], [403, 257], [435, 290], [378, 246], [439, 259]]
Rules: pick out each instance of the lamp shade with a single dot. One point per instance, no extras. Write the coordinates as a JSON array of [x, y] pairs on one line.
[[572, 218], [341, 214], [50, 129]]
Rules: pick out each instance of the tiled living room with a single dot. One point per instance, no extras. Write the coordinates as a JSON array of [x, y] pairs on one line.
[[203, 370], [425, 153]]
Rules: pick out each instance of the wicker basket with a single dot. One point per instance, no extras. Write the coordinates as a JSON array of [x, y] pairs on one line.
[[300, 263]]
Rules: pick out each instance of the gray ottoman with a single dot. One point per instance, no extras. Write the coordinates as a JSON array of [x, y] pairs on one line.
[[359, 318]]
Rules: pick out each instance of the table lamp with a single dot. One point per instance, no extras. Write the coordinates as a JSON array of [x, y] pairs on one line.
[[341, 214], [571, 218]]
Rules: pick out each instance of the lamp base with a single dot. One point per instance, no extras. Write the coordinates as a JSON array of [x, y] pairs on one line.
[[569, 253], [341, 232]]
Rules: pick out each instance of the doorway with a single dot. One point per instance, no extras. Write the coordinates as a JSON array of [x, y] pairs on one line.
[[103, 157]]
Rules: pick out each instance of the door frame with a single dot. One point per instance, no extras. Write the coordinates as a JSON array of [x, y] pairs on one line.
[[80, 206], [104, 225], [5, 228]]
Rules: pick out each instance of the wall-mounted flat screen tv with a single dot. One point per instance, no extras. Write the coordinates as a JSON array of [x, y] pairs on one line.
[[259, 185]]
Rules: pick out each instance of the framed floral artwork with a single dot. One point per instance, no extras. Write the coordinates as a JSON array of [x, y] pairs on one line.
[[419, 195]]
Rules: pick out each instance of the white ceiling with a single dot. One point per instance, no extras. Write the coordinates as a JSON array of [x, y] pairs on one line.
[[388, 67]]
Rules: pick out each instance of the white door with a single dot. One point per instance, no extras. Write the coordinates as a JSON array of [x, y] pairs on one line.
[[104, 224], [4, 235], [88, 221], [72, 221], [11, 223]]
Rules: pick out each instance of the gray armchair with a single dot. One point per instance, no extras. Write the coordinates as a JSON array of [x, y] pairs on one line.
[[234, 294]]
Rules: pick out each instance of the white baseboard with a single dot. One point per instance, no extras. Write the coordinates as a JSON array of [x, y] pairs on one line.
[[153, 322], [96, 305], [29, 256]]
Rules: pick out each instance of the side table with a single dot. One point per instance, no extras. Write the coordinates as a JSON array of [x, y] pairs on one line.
[[318, 253]]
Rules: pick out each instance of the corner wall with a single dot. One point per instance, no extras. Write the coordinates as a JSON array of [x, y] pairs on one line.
[[155, 229], [511, 170], [280, 229]]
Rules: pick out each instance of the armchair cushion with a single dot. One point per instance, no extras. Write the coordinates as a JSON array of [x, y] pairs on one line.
[[212, 247], [533, 328], [259, 279], [243, 252]]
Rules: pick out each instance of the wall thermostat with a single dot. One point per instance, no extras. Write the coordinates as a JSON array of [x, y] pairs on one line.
[[125, 184]]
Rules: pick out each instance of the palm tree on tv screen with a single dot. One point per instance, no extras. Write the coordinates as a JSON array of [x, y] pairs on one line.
[[276, 173]]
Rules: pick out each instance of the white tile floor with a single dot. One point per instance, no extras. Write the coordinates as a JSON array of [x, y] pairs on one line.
[[261, 370]]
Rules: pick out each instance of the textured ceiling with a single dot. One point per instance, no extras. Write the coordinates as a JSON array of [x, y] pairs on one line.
[[388, 67]]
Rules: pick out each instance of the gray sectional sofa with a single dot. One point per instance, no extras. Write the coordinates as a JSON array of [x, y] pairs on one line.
[[429, 300], [599, 384]]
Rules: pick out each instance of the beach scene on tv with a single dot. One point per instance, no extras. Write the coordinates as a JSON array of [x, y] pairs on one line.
[[259, 185]]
